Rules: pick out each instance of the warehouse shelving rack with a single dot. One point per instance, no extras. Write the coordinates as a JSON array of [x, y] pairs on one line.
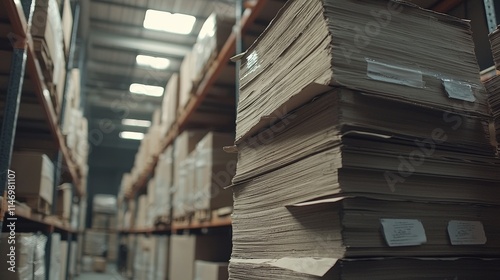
[[17, 16]]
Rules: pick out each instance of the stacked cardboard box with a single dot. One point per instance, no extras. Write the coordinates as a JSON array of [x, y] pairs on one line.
[[161, 258], [202, 172], [170, 102], [214, 170], [63, 253], [382, 174], [47, 36], [211, 39], [145, 263], [96, 243], [25, 259], [184, 145], [55, 270], [142, 212], [64, 202], [162, 189], [187, 249], [210, 271], [186, 76], [34, 180]]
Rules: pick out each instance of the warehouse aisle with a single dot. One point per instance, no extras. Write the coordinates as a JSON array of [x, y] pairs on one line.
[[111, 273]]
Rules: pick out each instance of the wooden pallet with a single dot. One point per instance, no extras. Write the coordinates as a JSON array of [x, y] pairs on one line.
[[37, 204]]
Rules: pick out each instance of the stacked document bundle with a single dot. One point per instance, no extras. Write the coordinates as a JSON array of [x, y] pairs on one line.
[[365, 169], [493, 87], [364, 45], [495, 46]]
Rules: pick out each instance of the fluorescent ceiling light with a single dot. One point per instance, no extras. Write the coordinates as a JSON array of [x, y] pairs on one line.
[[134, 122], [168, 22], [146, 90], [131, 135], [153, 62]]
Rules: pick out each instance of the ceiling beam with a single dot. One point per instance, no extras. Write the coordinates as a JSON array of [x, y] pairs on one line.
[[135, 7], [446, 6], [187, 40], [131, 71], [125, 42]]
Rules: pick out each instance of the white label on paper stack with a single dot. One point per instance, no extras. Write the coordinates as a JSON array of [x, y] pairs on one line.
[[394, 74], [403, 232], [466, 233], [459, 90]]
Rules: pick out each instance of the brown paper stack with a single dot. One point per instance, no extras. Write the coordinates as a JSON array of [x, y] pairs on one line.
[[386, 48], [362, 138], [495, 46]]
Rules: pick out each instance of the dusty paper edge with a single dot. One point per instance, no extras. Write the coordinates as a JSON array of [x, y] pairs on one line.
[[318, 201], [301, 98], [311, 266]]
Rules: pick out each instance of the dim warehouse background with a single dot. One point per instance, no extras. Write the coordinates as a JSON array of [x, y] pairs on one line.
[[115, 93]]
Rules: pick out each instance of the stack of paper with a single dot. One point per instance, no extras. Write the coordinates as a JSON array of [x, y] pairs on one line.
[[364, 45], [495, 46], [363, 146], [373, 269], [493, 87]]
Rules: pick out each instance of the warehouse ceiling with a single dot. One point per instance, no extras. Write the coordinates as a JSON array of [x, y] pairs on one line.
[[111, 36]]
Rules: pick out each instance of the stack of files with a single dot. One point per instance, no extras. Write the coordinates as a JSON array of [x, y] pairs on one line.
[[407, 152], [495, 46], [377, 269], [493, 88], [365, 45], [358, 227]]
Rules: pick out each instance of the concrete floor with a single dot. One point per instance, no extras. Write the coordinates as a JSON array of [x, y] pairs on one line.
[[111, 273]]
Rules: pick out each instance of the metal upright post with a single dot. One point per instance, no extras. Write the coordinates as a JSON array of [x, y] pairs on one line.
[[13, 99], [491, 18], [239, 45]]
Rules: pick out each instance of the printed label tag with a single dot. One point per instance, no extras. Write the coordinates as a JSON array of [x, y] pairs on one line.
[[466, 233], [458, 90], [403, 232], [394, 74]]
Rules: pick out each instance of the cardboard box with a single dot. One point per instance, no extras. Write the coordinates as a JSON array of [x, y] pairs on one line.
[[112, 247], [186, 249], [67, 25], [96, 243], [24, 251], [87, 263], [99, 264], [212, 37], [186, 81], [34, 175], [47, 32], [73, 258], [170, 103], [214, 172], [161, 260], [142, 208], [103, 221], [55, 256], [211, 271], [63, 253], [64, 201]]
